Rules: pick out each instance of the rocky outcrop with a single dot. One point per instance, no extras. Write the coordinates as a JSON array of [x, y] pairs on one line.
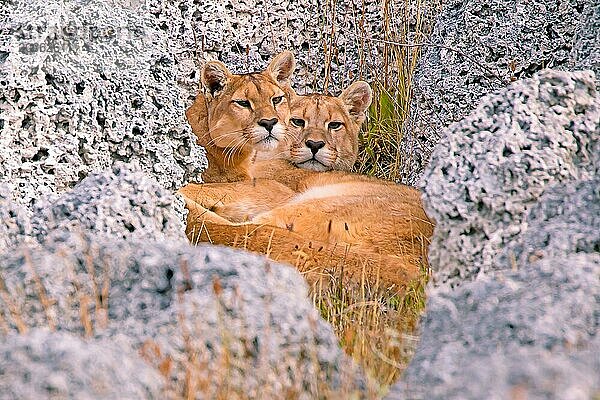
[[85, 84], [210, 313], [479, 47], [59, 365], [532, 332], [512, 308], [493, 166], [118, 203]]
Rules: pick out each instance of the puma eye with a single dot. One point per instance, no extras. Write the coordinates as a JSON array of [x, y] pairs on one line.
[[277, 100], [297, 122], [243, 103], [334, 125]]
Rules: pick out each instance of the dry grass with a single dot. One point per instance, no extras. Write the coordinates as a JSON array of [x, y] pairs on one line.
[[404, 26], [375, 325]]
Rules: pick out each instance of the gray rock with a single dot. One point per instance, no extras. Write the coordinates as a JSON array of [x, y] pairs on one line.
[[246, 34], [15, 224], [493, 166], [586, 49], [59, 365], [219, 314], [118, 203], [565, 220], [532, 334], [478, 47], [84, 84]]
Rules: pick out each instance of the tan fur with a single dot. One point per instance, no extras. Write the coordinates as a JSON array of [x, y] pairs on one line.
[[244, 200], [381, 238], [232, 133], [318, 220]]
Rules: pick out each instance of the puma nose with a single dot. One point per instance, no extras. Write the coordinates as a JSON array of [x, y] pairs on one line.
[[315, 146], [268, 124]]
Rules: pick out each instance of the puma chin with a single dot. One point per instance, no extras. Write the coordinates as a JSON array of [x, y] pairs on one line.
[[267, 141]]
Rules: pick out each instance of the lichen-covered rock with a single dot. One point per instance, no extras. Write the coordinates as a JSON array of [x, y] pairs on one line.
[[84, 84], [493, 166], [15, 224], [59, 365], [117, 203], [478, 47], [565, 220], [531, 333], [215, 313]]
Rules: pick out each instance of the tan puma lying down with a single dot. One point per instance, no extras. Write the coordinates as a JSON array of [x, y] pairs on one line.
[[384, 235], [318, 221]]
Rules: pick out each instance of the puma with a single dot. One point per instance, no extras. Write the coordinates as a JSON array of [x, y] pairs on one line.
[[234, 116], [318, 221]]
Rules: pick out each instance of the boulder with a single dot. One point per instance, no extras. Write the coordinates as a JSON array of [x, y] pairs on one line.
[[85, 84], [121, 202], [478, 47], [59, 365], [219, 319], [531, 333], [493, 166]]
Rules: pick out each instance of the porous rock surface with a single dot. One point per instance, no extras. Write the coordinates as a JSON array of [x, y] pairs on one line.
[[478, 47], [565, 220], [246, 34], [512, 310], [216, 313], [84, 84], [117, 203], [533, 332], [492, 167], [59, 365]]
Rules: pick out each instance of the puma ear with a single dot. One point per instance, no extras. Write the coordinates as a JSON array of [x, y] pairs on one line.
[[215, 76], [357, 98], [282, 67]]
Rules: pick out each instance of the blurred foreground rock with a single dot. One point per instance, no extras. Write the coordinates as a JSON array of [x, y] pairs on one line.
[[58, 365], [109, 259], [211, 313], [513, 306]]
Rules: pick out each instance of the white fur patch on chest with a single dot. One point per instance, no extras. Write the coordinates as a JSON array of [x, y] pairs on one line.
[[321, 192]]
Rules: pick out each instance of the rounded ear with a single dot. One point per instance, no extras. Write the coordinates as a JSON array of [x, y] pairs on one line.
[[215, 76], [357, 98], [282, 67]]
